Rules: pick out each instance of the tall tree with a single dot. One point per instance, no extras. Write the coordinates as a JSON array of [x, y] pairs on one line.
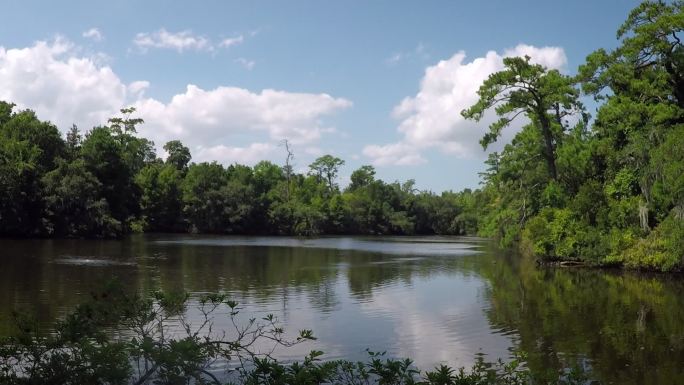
[[327, 167], [179, 155], [361, 177], [104, 156], [546, 97]]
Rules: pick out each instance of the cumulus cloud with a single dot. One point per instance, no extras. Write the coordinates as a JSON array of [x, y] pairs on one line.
[[63, 87], [431, 119], [399, 154], [200, 116], [93, 34]]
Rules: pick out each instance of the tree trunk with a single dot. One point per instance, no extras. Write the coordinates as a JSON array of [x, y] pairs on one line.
[[549, 148]]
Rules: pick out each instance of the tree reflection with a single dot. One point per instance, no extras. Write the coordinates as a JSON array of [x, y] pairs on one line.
[[626, 326]]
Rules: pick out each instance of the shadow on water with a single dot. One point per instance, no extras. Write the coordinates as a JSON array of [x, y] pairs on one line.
[[434, 299]]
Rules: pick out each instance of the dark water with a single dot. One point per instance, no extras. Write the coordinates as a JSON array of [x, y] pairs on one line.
[[436, 300]]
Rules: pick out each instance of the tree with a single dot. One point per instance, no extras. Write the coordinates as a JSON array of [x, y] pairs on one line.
[[161, 199], [28, 149], [650, 44], [288, 167], [73, 142], [327, 167], [545, 97], [18, 161], [217, 200], [178, 155], [362, 177], [201, 196], [103, 154], [125, 123], [137, 152], [74, 207]]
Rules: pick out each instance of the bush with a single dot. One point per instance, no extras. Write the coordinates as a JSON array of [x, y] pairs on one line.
[[557, 234], [662, 249]]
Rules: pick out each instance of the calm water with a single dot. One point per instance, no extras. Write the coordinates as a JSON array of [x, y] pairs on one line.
[[432, 299]]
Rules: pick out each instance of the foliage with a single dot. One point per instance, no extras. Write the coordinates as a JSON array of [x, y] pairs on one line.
[[612, 193], [109, 182]]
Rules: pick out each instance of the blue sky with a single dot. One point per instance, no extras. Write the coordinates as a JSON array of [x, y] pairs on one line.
[[373, 82]]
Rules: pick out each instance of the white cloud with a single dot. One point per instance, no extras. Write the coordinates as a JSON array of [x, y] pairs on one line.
[[249, 155], [63, 87], [183, 41], [247, 64], [201, 116], [432, 119], [93, 34], [59, 86], [399, 154], [138, 88], [232, 41], [179, 41]]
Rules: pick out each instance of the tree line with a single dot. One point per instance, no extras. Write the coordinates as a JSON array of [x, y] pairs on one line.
[[110, 182]]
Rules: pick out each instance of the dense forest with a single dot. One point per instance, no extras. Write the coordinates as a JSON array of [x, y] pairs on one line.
[[110, 182], [603, 189]]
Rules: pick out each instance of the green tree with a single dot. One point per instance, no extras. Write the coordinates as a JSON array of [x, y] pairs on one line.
[[327, 167], [103, 154], [362, 177], [217, 200], [178, 155], [73, 202], [545, 97], [28, 149], [161, 200]]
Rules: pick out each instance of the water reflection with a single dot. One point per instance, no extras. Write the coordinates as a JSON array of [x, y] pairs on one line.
[[409, 296], [432, 299], [627, 327]]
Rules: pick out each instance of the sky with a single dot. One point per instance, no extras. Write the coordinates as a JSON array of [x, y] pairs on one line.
[[373, 82]]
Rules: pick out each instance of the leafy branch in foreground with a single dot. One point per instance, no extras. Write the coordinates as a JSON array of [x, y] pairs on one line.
[[118, 338]]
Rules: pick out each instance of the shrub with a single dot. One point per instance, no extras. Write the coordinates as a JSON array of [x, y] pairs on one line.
[[662, 249], [558, 234]]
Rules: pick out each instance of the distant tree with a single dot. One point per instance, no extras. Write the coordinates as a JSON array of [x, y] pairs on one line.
[[179, 155], [73, 142], [73, 202], [104, 157], [362, 177], [327, 167], [161, 202]]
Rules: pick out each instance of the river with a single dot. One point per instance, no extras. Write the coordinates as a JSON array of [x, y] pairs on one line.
[[433, 299]]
